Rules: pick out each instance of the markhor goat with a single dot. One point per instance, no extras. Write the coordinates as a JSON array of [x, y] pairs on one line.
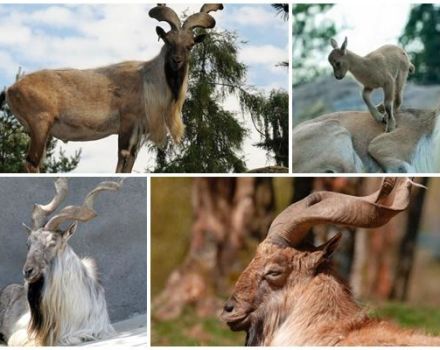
[[386, 68], [62, 301], [138, 101], [289, 294]]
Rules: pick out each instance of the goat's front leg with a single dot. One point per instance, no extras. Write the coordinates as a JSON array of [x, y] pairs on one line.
[[128, 144], [366, 95], [388, 104]]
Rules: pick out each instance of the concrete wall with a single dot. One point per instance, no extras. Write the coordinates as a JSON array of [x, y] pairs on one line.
[[116, 238]]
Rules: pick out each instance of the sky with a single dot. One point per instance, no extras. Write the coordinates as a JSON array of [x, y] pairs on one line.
[[85, 36], [367, 24]]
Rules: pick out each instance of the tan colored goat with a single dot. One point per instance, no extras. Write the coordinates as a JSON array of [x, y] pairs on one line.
[[290, 295], [386, 68], [352, 142], [136, 100]]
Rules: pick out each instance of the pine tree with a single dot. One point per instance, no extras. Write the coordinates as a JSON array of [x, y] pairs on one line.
[[421, 39]]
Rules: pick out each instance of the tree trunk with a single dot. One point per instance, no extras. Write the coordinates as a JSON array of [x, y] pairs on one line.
[[408, 245], [228, 212]]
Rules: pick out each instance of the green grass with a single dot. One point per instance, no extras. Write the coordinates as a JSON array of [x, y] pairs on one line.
[[191, 330], [423, 318]]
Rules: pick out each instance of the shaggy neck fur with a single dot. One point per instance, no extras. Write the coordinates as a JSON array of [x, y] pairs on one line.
[[424, 158], [69, 306], [314, 311], [164, 95]]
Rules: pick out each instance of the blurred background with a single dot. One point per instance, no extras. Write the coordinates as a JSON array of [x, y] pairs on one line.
[[368, 25], [205, 231]]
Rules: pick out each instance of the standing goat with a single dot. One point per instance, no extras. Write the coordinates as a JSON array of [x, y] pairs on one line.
[[386, 68], [62, 301], [289, 294], [136, 100]]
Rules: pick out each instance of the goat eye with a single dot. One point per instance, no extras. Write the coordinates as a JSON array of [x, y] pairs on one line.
[[274, 273]]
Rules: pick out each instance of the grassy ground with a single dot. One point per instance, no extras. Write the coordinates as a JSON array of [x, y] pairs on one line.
[[190, 330]]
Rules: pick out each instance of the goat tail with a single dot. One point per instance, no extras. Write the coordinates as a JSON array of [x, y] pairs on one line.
[[412, 68], [2, 98]]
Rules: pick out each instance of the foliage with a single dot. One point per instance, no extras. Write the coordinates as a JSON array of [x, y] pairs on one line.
[[282, 10], [311, 37], [214, 136], [421, 39], [14, 144], [270, 116]]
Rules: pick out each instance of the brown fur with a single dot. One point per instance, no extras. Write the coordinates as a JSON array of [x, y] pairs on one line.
[[351, 141], [310, 305], [136, 100], [386, 68], [290, 295]]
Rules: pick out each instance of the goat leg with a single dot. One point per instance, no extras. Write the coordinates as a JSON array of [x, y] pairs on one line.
[[366, 95]]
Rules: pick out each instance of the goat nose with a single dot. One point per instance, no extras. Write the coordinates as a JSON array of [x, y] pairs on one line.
[[229, 306], [177, 60], [28, 272]]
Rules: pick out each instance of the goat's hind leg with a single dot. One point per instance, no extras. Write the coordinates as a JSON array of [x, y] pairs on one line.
[[39, 133], [389, 94]]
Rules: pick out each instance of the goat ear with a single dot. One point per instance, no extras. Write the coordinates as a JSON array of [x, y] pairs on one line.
[[324, 252], [330, 246], [70, 231], [344, 46], [161, 33], [199, 38], [334, 43]]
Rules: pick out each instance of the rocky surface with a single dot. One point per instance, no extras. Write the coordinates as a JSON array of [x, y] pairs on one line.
[[326, 94]]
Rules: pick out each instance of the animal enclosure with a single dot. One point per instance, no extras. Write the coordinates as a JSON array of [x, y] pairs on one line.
[[115, 239]]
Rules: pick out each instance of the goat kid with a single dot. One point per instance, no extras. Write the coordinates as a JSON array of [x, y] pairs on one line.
[[136, 100], [289, 294], [62, 301], [386, 68]]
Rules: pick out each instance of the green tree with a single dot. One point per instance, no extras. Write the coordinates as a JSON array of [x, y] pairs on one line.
[[13, 148], [270, 116], [213, 136], [421, 39], [311, 36]]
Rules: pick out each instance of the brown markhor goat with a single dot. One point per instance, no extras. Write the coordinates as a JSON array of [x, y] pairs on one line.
[[289, 294], [137, 100]]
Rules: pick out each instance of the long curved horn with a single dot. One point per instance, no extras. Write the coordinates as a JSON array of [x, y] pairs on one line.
[[202, 19], [85, 212], [40, 211], [166, 14], [374, 210]]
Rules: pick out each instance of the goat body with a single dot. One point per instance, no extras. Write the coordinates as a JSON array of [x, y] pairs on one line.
[[70, 309], [387, 68], [352, 142], [131, 99], [289, 295]]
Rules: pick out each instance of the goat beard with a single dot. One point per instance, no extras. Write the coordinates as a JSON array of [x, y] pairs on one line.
[[175, 78], [34, 297], [254, 334]]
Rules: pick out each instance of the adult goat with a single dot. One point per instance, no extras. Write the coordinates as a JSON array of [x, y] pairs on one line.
[[62, 301], [352, 142], [135, 100], [289, 294]]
